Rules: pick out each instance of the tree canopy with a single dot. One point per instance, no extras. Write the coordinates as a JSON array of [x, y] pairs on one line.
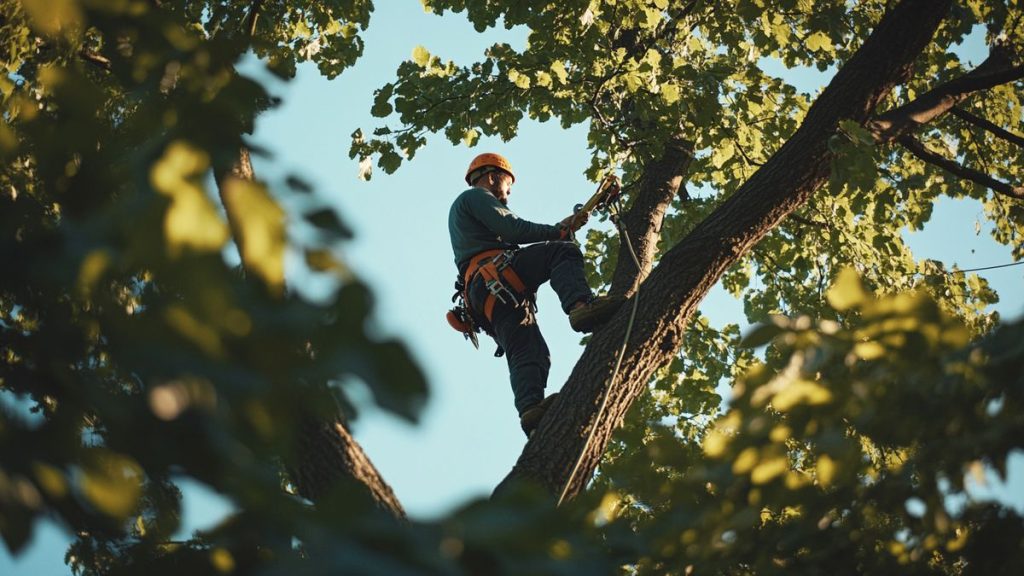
[[874, 385]]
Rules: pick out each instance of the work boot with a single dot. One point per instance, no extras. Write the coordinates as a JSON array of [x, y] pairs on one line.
[[593, 314], [531, 416]]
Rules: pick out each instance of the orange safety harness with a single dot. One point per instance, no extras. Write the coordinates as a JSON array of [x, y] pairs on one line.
[[503, 285]]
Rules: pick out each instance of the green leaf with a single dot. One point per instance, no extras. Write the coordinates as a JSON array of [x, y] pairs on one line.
[[670, 93], [558, 69], [725, 151], [519, 79], [111, 482], [819, 42], [847, 291], [191, 221], [761, 335], [420, 56], [260, 224]]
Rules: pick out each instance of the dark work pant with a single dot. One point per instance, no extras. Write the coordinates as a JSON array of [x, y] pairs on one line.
[[515, 328]]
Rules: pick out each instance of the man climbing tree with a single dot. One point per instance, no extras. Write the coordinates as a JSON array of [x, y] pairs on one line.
[[499, 280], [149, 359]]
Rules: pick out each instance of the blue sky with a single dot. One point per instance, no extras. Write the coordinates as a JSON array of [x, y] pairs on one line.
[[469, 436]]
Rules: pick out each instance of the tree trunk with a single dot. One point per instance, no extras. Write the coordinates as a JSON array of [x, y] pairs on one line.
[[328, 458], [689, 270], [659, 185]]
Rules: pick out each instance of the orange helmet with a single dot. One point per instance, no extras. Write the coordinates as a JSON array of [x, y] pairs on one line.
[[479, 166]]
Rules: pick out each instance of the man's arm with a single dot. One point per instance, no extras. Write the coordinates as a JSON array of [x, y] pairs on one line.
[[503, 222]]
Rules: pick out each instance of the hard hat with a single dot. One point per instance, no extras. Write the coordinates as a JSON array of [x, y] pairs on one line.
[[488, 160]]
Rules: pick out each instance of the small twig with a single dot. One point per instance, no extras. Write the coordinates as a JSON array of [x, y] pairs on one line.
[[746, 158], [252, 17], [808, 222], [989, 126], [94, 58], [918, 149]]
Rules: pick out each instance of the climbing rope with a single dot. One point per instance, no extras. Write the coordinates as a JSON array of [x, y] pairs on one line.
[[618, 361], [629, 330]]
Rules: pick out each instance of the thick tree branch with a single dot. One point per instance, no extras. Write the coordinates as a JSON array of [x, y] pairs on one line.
[[328, 458], [688, 271], [918, 149], [989, 126], [998, 68], [660, 183]]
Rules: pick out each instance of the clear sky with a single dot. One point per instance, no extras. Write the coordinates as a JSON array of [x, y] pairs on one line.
[[468, 437]]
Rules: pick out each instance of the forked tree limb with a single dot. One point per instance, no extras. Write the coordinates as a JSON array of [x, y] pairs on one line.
[[915, 147], [998, 68]]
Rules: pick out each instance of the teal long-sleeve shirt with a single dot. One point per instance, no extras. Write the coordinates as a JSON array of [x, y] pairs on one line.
[[477, 221]]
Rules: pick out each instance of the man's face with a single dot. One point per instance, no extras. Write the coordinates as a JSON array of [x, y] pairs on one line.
[[501, 186]]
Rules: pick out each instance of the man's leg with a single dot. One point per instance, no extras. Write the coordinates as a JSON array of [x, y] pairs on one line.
[[562, 263], [517, 332], [559, 262]]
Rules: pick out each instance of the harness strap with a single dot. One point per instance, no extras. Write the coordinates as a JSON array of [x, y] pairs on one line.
[[494, 266]]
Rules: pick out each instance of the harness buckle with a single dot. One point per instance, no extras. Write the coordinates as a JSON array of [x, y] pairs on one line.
[[500, 291]]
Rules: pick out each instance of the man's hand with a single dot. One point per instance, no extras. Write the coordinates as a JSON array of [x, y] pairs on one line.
[[574, 222]]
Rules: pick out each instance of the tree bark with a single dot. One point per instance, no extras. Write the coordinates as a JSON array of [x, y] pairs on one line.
[[659, 185], [997, 69], [689, 270], [955, 168], [988, 126], [328, 458]]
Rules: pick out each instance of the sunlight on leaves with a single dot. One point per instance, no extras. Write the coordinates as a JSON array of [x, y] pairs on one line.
[[847, 292], [111, 482], [261, 223], [421, 56], [819, 42], [54, 17], [50, 479], [825, 470], [91, 270], [191, 328], [192, 221], [769, 468]]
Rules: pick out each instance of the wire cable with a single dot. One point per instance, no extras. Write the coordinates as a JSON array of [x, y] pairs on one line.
[[952, 272]]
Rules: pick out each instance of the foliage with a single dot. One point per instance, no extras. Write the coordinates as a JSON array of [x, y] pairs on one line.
[[148, 358], [849, 451], [641, 74]]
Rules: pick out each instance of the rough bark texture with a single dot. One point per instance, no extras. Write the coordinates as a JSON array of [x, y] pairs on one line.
[[997, 69], [688, 271], [328, 457], [660, 184], [238, 169]]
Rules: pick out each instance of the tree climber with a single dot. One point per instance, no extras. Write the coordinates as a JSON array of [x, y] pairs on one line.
[[498, 280]]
